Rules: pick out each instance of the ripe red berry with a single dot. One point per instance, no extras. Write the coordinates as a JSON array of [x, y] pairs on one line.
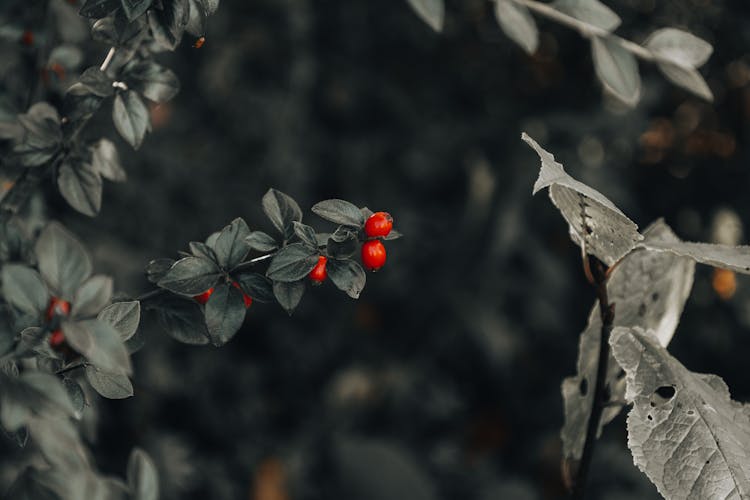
[[56, 339], [245, 297], [319, 273], [199, 42], [378, 225], [203, 298], [373, 255], [57, 307], [27, 38]]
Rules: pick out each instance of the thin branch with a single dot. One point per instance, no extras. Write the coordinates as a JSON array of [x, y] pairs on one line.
[[250, 263], [607, 313], [108, 59], [585, 29], [70, 368]]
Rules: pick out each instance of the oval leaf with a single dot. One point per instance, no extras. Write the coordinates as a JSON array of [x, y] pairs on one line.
[[516, 22], [190, 276], [292, 263], [225, 312], [617, 69], [123, 317], [63, 262], [339, 211]]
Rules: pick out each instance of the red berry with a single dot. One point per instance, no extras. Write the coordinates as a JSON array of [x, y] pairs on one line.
[[245, 297], [27, 38], [319, 273], [56, 339], [199, 42], [378, 225], [203, 298], [57, 307], [373, 255]]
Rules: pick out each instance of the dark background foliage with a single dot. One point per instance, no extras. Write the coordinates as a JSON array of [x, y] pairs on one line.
[[442, 381]]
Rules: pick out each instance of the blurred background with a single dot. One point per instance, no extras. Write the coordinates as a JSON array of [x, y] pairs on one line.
[[442, 381]]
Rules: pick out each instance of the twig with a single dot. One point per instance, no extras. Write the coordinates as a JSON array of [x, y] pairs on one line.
[[70, 368], [585, 29], [607, 313], [250, 263]]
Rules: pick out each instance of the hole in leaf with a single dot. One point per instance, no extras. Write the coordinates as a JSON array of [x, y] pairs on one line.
[[666, 392], [691, 412], [650, 417], [655, 296], [621, 374], [583, 387]]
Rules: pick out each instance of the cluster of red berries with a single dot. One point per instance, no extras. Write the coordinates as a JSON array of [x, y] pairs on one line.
[[377, 226], [57, 308], [203, 297]]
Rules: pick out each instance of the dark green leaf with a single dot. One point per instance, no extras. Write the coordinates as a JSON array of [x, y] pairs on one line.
[[92, 296], [340, 211], [143, 479], [96, 9], [131, 117], [118, 31], [123, 316], [288, 294], [306, 234], [99, 342], [154, 81], [33, 394], [25, 487], [76, 395], [292, 263], [109, 385], [197, 23], [199, 249], [348, 276], [42, 135], [97, 82], [225, 312], [106, 161], [168, 24], [230, 246], [63, 262], [81, 186], [158, 268], [190, 276], [260, 241], [23, 288], [135, 8], [393, 235], [257, 286], [282, 210], [342, 244], [183, 320]]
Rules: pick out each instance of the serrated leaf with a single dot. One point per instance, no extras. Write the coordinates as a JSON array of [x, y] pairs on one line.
[[288, 295], [685, 432], [99, 342], [123, 317], [96, 9], [109, 385], [24, 289], [340, 211], [679, 47], [617, 69], [81, 186], [292, 263], [348, 276], [106, 161], [687, 78], [230, 246], [168, 23], [649, 290], [591, 12], [306, 234], [131, 117], [190, 276], [97, 82], [257, 286], [143, 479], [260, 241], [282, 210], [135, 8], [735, 258], [225, 312], [431, 11], [92, 296], [593, 220], [516, 22], [62, 260], [183, 320], [154, 81]]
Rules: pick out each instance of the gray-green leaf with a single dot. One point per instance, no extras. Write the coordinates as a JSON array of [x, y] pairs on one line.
[[431, 11], [123, 316], [143, 479], [225, 312], [131, 117], [591, 12], [109, 385], [100, 343], [617, 69], [292, 263], [92, 296], [63, 261], [190, 276], [516, 22], [24, 289]]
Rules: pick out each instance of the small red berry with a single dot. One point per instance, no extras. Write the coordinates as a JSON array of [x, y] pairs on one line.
[[378, 225], [319, 273], [27, 38], [245, 297], [57, 307], [56, 339], [373, 255], [199, 42], [203, 298]]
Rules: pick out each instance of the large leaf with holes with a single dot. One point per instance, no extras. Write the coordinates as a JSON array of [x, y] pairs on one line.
[[594, 220], [736, 258], [685, 432], [649, 290]]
